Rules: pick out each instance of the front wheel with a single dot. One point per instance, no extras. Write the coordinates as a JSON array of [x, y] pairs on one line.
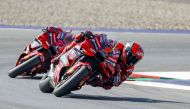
[[71, 82], [45, 85], [23, 67]]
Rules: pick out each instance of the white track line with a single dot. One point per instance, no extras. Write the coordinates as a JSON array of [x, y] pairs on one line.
[[161, 85], [176, 75]]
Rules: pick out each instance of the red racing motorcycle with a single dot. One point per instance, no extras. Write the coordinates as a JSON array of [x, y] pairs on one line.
[[36, 58], [79, 65]]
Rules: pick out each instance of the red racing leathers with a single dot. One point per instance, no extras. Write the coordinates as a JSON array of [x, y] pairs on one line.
[[55, 36], [113, 66], [51, 36]]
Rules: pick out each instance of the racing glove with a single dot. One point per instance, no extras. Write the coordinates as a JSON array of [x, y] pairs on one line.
[[88, 34], [81, 37], [116, 80]]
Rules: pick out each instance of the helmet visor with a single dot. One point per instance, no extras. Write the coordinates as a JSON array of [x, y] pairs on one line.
[[131, 58]]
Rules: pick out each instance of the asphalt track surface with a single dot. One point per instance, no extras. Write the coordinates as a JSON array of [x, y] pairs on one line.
[[163, 52]]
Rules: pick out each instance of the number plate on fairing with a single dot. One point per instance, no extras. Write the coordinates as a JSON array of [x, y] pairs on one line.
[[74, 54], [71, 56]]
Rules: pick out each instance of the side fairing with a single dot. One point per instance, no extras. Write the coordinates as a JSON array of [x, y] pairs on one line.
[[65, 61]]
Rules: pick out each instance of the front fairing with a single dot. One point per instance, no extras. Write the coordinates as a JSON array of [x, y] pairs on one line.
[[51, 74], [65, 61], [70, 57], [44, 41]]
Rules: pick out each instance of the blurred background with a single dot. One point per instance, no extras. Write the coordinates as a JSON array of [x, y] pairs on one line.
[[131, 14]]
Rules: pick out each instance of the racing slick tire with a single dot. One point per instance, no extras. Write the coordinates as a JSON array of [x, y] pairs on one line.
[[23, 67], [45, 85], [66, 86]]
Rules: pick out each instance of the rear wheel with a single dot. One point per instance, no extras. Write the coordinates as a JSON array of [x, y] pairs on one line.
[[45, 85], [23, 67], [71, 82]]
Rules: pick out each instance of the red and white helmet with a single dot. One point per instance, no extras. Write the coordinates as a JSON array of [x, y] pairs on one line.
[[132, 53]]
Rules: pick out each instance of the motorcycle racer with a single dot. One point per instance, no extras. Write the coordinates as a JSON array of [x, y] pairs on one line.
[[119, 62], [55, 36], [52, 36], [123, 59]]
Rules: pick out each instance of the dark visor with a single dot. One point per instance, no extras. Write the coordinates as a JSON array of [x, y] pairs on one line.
[[131, 58]]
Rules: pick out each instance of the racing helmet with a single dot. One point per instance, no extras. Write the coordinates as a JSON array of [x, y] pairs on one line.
[[132, 53]]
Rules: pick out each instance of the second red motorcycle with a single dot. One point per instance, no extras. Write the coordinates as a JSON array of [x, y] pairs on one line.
[[36, 57]]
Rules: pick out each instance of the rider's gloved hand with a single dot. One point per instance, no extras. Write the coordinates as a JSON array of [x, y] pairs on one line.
[[81, 37], [117, 80], [88, 34]]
